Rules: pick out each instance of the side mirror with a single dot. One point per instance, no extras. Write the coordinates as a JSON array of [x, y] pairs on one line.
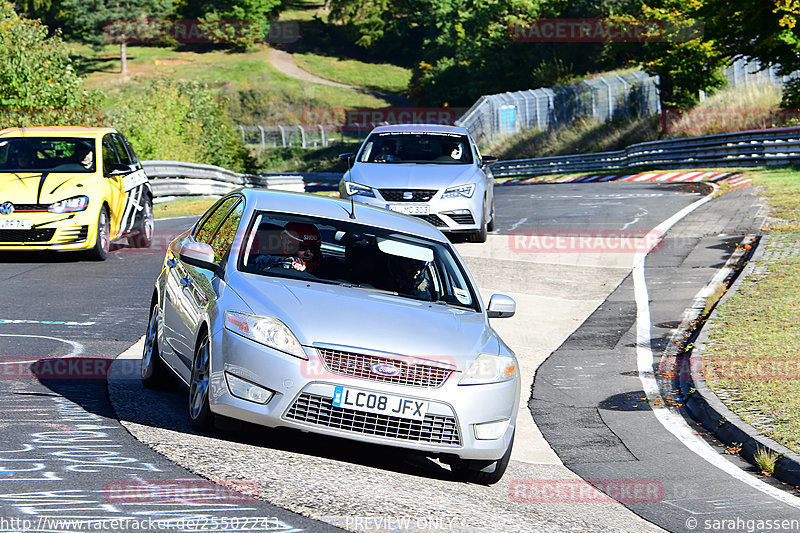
[[120, 169], [201, 255], [347, 157], [489, 159], [501, 306]]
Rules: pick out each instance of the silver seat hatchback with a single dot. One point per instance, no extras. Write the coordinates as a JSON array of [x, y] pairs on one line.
[[293, 310], [428, 171]]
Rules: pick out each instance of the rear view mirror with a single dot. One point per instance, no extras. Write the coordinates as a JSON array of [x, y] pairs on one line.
[[501, 306], [201, 255], [489, 159], [120, 169]]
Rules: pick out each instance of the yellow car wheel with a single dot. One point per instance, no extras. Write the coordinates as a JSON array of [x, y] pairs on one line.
[[102, 241]]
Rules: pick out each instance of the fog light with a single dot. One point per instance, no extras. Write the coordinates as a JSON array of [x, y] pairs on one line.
[[457, 212], [246, 390], [491, 430]]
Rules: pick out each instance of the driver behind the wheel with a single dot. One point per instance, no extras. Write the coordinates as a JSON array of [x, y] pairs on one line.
[[299, 246]]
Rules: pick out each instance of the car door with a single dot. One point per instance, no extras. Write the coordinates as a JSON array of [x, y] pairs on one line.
[[190, 290], [116, 197], [133, 184]]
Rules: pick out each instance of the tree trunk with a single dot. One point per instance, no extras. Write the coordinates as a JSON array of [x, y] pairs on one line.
[[123, 58]]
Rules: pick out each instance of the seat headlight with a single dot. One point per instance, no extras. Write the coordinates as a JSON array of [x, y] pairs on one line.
[[352, 188], [465, 191], [488, 368], [265, 330], [70, 205]]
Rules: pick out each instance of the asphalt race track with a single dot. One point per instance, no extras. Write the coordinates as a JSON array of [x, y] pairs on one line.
[[68, 447]]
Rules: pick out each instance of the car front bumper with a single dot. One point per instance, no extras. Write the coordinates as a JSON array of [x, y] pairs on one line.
[[454, 215], [302, 394], [51, 231]]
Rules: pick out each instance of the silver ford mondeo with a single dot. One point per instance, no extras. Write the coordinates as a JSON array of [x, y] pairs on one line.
[[285, 309]]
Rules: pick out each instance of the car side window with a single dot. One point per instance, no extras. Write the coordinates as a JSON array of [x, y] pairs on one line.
[[109, 154], [207, 227], [121, 150], [131, 151], [223, 239]]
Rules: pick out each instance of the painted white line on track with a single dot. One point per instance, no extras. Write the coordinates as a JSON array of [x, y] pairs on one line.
[[671, 421], [77, 348]]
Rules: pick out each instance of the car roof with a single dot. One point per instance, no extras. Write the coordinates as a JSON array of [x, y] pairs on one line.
[[56, 131], [337, 209], [421, 128]]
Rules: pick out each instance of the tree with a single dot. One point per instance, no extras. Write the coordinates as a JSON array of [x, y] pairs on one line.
[[89, 19], [257, 15], [38, 85], [686, 60], [767, 31]]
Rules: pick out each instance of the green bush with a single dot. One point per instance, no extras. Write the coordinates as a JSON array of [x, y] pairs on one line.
[[38, 84], [181, 121]]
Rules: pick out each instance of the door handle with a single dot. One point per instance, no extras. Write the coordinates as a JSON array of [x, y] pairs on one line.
[[186, 281]]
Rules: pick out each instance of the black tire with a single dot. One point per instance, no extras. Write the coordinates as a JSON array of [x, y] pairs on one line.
[[482, 472], [490, 225], [200, 416], [153, 372], [102, 241], [143, 236]]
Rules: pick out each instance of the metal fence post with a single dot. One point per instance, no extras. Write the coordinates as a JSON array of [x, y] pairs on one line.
[[243, 138], [322, 134], [263, 139], [283, 136], [302, 135], [610, 98]]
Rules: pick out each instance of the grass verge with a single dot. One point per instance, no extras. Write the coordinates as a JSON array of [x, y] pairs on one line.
[[382, 77], [183, 207], [752, 357]]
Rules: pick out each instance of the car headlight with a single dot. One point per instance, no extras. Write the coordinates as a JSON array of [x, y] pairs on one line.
[[265, 330], [488, 368], [465, 191], [70, 205], [352, 188]]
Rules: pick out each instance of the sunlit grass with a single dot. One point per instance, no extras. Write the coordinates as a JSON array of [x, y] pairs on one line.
[[183, 207], [383, 77]]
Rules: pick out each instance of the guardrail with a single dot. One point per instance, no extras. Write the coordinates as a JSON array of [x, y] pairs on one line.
[[176, 178], [779, 146]]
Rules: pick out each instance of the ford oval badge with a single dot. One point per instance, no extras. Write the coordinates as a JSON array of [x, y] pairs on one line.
[[384, 369]]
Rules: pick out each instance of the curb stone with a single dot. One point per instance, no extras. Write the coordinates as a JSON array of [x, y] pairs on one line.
[[715, 416]]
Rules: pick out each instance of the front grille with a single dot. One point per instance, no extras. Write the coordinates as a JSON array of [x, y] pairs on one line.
[[319, 410], [398, 195], [73, 235], [26, 235], [360, 366], [463, 219], [432, 219]]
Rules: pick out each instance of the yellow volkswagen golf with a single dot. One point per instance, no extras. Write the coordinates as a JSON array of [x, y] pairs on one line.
[[65, 188]]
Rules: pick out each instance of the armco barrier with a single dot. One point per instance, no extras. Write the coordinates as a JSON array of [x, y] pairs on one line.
[[176, 178], [779, 146]]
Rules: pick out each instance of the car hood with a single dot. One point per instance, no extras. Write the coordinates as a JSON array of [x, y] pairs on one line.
[[370, 320], [38, 187], [408, 176]]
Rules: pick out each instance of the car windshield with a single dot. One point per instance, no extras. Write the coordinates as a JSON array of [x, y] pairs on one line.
[[47, 154], [416, 147], [356, 256]]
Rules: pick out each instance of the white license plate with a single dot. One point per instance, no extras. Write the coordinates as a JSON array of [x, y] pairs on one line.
[[383, 404], [410, 209], [15, 224]]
